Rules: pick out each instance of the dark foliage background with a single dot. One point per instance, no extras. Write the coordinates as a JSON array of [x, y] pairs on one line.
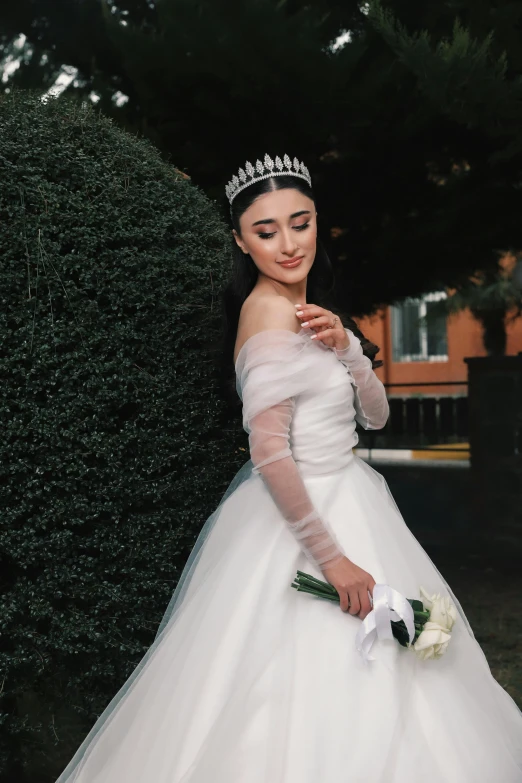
[[112, 453], [411, 130]]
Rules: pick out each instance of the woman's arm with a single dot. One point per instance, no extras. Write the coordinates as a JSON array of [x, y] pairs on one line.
[[371, 403], [275, 368], [272, 458]]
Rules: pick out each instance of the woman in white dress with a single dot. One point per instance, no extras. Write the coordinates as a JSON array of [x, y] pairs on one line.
[[248, 680]]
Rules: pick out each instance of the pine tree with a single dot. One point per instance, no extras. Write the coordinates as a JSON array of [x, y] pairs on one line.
[[410, 129]]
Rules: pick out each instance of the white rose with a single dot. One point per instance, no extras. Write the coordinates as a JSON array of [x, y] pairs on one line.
[[442, 611], [432, 642], [427, 599]]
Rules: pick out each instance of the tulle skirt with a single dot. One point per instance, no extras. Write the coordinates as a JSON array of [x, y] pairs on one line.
[[250, 681]]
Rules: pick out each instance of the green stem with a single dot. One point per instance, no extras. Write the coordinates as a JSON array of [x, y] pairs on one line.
[[319, 582], [319, 594], [311, 583], [310, 588]]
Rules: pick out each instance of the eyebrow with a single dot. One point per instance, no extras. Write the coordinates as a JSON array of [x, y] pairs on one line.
[[293, 215]]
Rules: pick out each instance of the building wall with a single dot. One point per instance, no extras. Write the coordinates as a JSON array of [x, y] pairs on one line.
[[464, 339]]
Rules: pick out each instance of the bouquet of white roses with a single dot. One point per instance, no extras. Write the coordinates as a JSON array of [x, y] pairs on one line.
[[433, 618], [434, 636]]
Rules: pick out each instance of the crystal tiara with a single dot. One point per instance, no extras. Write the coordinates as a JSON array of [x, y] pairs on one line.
[[268, 168]]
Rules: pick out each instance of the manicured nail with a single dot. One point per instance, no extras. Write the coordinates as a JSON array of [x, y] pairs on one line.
[[299, 312], [297, 305], [313, 337], [305, 323]]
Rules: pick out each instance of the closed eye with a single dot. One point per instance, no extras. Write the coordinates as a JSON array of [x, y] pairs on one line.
[[265, 235]]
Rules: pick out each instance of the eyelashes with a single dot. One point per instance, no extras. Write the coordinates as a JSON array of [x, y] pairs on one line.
[[265, 235]]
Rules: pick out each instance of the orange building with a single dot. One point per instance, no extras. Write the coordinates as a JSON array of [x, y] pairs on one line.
[[426, 376], [415, 350]]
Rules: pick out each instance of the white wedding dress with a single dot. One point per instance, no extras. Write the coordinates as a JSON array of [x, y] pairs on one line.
[[251, 681]]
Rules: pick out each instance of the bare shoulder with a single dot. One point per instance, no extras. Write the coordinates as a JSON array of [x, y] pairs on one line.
[[265, 311]]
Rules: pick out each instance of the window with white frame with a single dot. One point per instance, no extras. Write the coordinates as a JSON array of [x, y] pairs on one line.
[[419, 329]]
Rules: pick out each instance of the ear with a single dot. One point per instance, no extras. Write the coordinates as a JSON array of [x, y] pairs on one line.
[[239, 241]]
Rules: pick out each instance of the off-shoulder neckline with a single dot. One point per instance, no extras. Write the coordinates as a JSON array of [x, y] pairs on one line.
[[287, 331]]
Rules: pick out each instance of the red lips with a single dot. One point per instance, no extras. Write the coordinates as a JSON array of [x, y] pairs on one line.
[[290, 260]]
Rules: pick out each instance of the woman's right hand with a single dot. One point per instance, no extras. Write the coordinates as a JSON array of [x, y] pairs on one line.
[[353, 585]]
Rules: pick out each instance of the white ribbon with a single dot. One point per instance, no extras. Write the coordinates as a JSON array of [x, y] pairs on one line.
[[388, 605]]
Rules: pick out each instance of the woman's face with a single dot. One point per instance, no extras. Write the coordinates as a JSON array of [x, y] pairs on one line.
[[278, 227]]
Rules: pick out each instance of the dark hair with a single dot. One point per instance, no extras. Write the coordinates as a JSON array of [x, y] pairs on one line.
[[244, 274]]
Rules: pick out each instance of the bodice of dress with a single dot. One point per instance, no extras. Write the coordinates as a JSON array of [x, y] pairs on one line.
[[331, 390], [322, 431], [300, 403]]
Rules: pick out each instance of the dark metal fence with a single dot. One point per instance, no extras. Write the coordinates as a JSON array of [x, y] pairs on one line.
[[418, 422]]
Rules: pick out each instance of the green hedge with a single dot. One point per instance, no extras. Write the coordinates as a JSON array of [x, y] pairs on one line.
[[111, 455]]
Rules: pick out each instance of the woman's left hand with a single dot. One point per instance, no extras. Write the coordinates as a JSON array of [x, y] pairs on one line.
[[326, 325]]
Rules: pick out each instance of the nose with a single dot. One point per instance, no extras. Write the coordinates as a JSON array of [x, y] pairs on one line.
[[288, 243]]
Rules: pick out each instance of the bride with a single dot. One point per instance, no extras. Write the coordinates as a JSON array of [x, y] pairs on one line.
[[249, 680]]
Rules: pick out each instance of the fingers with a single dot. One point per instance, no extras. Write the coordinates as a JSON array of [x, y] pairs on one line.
[[355, 604], [343, 600], [316, 322], [364, 600], [309, 309], [313, 315], [359, 597], [356, 596]]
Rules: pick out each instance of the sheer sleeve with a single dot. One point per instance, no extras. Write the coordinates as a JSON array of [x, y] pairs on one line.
[[273, 368], [371, 404]]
